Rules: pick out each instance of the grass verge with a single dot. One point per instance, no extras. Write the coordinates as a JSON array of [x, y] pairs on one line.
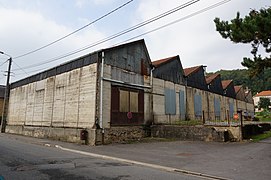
[[260, 137], [189, 123]]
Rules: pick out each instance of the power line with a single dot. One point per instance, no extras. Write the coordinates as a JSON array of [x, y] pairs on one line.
[[107, 14], [37, 70], [179, 20], [20, 68], [115, 35], [3, 63]]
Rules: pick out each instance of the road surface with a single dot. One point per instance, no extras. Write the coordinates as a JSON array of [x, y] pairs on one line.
[[32, 158]]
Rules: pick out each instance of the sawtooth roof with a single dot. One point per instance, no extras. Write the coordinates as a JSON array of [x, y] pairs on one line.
[[211, 77], [191, 70], [160, 62], [226, 83]]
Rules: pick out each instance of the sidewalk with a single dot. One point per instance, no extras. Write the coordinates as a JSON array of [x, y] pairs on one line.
[[229, 160]]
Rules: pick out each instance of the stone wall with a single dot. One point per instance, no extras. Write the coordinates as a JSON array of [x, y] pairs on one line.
[[189, 133], [122, 134]]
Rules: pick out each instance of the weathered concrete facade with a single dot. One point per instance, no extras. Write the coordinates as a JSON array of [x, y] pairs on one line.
[[80, 94], [159, 102], [55, 107], [115, 94], [2, 96]]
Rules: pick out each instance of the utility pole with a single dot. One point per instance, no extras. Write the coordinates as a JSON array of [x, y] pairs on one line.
[[6, 97]]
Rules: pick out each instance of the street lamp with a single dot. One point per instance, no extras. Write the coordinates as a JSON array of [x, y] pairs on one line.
[[6, 97]]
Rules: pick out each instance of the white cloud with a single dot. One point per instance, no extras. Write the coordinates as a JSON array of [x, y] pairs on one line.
[[22, 31], [81, 3], [195, 39]]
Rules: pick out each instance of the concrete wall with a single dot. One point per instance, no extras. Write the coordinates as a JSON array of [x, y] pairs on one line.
[[250, 110], [159, 114], [241, 105], [110, 79], [191, 105], [1, 105], [66, 100], [227, 101]]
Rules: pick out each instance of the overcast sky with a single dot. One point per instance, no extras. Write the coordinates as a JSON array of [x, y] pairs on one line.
[[26, 25]]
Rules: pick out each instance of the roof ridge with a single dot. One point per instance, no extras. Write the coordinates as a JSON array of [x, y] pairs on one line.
[[160, 62], [190, 70]]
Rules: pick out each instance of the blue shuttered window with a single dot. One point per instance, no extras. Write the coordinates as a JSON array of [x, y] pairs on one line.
[[170, 101], [217, 107], [182, 104], [198, 105]]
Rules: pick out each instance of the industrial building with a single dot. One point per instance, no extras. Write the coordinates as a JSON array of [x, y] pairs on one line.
[[113, 94]]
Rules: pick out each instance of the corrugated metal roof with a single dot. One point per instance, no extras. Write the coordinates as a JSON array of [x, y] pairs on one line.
[[263, 93], [190, 70], [73, 64], [226, 83], [237, 88], [211, 77], [160, 62]]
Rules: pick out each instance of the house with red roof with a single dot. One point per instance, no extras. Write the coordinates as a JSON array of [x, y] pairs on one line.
[[262, 94]]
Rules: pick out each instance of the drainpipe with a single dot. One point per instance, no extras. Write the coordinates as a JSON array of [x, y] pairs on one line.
[[186, 104], [101, 96], [151, 85], [149, 125], [151, 76]]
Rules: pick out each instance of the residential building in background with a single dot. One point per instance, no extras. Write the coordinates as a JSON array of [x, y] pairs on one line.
[[262, 94]]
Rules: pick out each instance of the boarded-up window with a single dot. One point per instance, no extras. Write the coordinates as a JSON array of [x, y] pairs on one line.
[[217, 108], [124, 101], [182, 104], [128, 101], [198, 105], [134, 101], [170, 101], [127, 106]]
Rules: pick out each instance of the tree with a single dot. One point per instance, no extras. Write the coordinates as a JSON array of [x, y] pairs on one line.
[[241, 76], [254, 29], [264, 103]]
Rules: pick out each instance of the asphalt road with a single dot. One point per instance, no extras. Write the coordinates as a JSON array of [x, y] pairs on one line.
[[31, 158], [26, 158]]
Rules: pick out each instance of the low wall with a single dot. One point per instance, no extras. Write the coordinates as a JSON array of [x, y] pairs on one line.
[[255, 129], [62, 134], [234, 133], [191, 133], [120, 134]]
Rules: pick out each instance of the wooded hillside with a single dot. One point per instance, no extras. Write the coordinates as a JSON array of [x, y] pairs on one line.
[[241, 77]]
